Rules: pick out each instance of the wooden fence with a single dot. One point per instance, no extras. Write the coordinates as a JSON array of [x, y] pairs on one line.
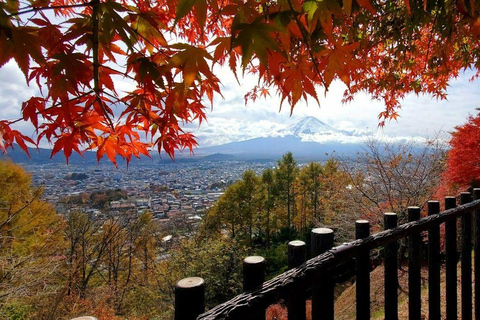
[[316, 275]]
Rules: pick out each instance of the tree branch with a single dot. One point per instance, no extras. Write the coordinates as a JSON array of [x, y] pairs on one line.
[[35, 9], [96, 64]]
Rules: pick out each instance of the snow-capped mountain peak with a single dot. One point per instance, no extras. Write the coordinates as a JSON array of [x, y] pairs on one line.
[[311, 126], [314, 130]]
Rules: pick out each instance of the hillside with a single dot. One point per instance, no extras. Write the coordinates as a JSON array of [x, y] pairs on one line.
[[345, 303]]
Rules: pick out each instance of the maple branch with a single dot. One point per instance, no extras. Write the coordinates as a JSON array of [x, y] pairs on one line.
[[96, 64], [116, 99], [96, 86], [307, 43], [119, 72], [15, 121], [53, 106], [149, 42], [35, 9], [430, 42]]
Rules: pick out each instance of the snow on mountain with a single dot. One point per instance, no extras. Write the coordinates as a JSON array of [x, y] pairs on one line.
[[310, 129], [312, 126]]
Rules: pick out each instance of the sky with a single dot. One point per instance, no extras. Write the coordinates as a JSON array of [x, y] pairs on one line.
[[231, 120]]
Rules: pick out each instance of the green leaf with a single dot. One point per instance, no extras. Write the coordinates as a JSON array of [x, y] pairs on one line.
[[6, 43], [192, 61], [111, 17], [310, 7], [282, 19], [13, 6], [347, 7], [183, 7], [256, 38], [201, 12]]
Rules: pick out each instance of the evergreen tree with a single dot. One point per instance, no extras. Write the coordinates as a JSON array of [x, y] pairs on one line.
[[285, 175], [268, 183]]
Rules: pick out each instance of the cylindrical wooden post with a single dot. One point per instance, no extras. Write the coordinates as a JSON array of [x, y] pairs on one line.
[[253, 272], [476, 259], [451, 262], [466, 267], [362, 230], [253, 278], [189, 298], [322, 288], [297, 255], [414, 258], [322, 240], [391, 270], [434, 264]]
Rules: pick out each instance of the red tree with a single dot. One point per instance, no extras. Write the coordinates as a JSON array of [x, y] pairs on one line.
[[463, 162], [168, 48]]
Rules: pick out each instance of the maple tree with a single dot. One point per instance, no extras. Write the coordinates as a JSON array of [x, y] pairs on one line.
[[168, 50], [463, 157]]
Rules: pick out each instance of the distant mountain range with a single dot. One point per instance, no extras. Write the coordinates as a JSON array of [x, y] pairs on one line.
[[309, 139]]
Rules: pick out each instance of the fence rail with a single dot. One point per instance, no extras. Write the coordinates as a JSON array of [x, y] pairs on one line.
[[317, 273]]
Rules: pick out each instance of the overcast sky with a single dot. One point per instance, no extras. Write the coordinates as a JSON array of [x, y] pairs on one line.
[[230, 120]]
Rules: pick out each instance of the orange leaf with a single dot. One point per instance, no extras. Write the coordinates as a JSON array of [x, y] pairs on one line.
[[31, 108], [476, 28], [409, 10]]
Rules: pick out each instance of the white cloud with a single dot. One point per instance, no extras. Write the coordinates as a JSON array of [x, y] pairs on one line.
[[13, 91]]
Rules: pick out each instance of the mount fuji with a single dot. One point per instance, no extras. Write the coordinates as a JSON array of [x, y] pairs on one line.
[[310, 126], [309, 138]]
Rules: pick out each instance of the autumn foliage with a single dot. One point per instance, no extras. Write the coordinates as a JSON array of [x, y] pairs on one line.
[[463, 160], [76, 52]]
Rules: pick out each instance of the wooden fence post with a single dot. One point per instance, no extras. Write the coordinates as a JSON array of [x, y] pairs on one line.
[[296, 300], [414, 259], [434, 264], [253, 278], [391, 270], [466, 267], [362, 274], [189, 298], [322, 287], [451, 262], [476, 259]]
